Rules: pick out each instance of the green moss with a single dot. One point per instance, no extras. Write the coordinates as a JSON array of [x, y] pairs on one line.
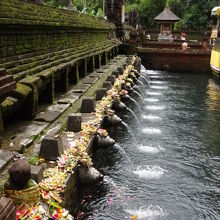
[[7, 103], [34, 160], [23, 13], [22, 91], [3, 52], [7, 106]]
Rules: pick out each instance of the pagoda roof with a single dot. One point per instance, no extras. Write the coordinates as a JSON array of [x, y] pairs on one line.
[[167, 15]]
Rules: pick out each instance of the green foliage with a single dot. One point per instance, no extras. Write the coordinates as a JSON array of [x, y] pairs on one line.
[[34, 160], [91, 7], [194, 14], [148, 10]]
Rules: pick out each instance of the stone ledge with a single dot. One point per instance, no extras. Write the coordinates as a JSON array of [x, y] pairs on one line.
[[5, 158], [28, 134]]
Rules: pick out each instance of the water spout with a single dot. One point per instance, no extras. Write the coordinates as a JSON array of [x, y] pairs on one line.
[[138, 106], [137, 93], [121, 150], [136, 88], [145, 79], [138, 81], [133, 114], [129, 131]]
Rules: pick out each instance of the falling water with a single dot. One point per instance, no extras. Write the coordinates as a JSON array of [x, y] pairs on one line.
[[139, 96], [123, 152], [135, 102], [170, 170], [140, 82], [133, 114], [137, 93], [129, 131], [138, 89], [146, 80]]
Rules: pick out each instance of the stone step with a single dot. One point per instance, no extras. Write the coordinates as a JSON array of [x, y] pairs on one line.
[[54, 61], [7, 88], [2, 72], [5, 158], [14, 68], [5, 80]]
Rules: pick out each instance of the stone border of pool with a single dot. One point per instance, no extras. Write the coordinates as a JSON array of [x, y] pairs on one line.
[[59, 123]]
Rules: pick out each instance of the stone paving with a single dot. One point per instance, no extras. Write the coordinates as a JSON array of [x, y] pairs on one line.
[[51, 121]]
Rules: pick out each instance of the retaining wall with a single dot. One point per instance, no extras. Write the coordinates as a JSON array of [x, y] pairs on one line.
[[47, 49]]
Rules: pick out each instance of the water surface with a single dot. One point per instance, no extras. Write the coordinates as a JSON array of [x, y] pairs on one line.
[[170, 169]]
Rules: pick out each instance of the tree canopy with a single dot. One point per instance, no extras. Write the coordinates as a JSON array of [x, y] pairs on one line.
[[91, 7], [194, 14]]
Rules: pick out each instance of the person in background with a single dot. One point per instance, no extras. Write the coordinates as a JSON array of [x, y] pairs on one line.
[[184, 46], [148, 37], [183, 36]]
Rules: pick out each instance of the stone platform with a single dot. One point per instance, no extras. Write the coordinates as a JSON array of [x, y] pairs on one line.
[[23, 138]]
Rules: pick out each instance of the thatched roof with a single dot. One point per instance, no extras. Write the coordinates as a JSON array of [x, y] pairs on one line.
[[167, 15]]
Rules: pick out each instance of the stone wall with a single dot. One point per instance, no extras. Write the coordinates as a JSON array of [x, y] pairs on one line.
[[42, 46], [176, 60]]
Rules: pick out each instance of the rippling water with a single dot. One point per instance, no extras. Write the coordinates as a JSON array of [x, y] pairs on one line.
[[172, 169]]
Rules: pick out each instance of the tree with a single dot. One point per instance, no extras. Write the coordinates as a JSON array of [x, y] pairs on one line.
[[194, 14], [91, 7]]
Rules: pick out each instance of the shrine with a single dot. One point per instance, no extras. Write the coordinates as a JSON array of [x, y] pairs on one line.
[[166, 19]]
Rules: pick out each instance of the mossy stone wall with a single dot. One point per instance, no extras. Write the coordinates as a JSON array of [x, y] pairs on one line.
[[38, 45], [27, 28]]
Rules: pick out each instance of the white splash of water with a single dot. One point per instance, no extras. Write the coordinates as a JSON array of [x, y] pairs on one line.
[[151, 100], [152, 72], [149, 212], [153, 93], [159, 87], [154, 107], [151, 131], [150, 150], [157, 82], [152, 76], [151, 117], [143, 67], [149, 172]]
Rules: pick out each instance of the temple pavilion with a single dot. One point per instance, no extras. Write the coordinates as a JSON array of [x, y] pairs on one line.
[[166, 19]]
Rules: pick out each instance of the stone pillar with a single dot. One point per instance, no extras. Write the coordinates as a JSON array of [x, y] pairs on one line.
[[6, 86], [77, 72], [85, 74], [88, 105], [133, 41], [93, 63], [1, 126], [67, 71], [100, 60], [114, 12], [74, 122]]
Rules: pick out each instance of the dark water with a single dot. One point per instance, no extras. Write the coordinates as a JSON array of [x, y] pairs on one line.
[[172, 169]]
